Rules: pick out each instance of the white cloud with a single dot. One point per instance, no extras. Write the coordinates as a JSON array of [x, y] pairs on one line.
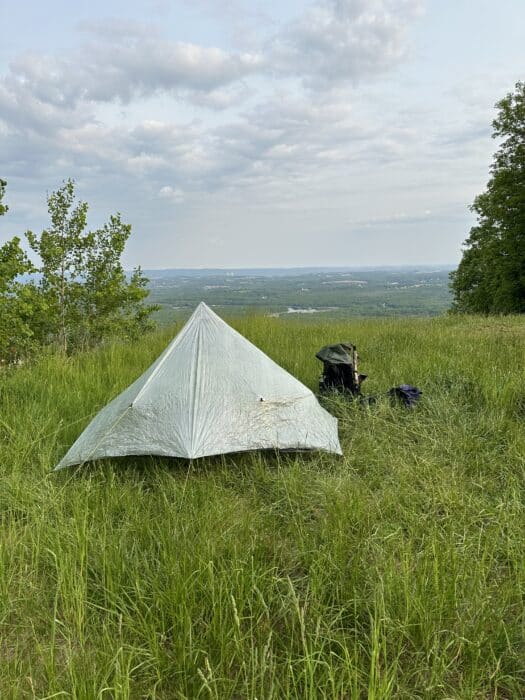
[[290, 126], [338, 41], [332, 43], [175, 195], [119, 66]]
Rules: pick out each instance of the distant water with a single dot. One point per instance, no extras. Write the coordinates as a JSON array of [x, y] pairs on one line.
[[293, 310]]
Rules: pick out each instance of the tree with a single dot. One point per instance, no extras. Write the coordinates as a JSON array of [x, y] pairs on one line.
[[3, 207], [491, 275], [112, 304], [18, 300], [87, 293], [60, 249]]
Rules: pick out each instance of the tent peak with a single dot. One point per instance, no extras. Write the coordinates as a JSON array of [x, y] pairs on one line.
[[202, 309]]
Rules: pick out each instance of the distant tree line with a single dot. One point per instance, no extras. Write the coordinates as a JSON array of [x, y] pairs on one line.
[[491, 275], [78, 294]]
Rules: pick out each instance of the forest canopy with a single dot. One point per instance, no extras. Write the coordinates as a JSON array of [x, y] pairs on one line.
[[491, 275]]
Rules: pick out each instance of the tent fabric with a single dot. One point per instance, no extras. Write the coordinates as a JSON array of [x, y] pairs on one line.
[[210, 392]]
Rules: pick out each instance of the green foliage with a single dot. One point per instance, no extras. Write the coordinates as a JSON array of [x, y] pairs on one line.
[[491, 275], [83, 282], [113, 305], [396, 571], [61, 249], [3, 207], [19, 303]]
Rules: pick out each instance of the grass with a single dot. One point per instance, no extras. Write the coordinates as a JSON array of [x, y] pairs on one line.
[[397, 571]]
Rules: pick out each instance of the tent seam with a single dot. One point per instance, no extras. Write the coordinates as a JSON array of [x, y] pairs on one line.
[[195, 385]]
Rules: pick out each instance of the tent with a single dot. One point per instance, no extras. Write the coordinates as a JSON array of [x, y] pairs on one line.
[[210, 392]]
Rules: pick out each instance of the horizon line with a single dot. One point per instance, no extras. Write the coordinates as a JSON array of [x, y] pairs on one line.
[[302, 267]]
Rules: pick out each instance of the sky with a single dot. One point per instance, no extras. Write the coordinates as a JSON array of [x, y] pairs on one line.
[[242, 133]]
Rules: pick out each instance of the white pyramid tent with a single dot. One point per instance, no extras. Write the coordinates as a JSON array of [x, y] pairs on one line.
[[210, 392]]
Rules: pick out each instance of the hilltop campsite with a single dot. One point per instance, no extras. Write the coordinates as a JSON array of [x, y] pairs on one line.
[[395, 568], [262, 343]]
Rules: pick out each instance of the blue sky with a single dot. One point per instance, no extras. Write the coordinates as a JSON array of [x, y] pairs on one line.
[[234, 133]]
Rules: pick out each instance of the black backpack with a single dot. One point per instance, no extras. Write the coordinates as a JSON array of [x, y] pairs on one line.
[[340, 369], [340, 375]]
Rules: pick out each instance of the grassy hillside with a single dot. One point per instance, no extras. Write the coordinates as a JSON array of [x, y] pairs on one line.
[[396, 571]]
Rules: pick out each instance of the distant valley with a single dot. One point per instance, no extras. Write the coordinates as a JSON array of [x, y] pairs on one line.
[[330, 293]]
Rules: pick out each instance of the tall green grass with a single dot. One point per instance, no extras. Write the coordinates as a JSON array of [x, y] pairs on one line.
[[397, 571]]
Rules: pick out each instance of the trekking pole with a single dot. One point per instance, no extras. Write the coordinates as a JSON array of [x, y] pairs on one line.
[[355, 358]]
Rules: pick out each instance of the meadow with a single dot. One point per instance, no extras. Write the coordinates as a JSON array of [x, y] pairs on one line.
[[395, 571]]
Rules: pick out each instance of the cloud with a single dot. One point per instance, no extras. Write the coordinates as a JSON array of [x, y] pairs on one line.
[[121, 62], [338, 41], [133, 69], [223, 98], [34, 96], [174, 195], [283, 146], [334, 42], [278, 150]]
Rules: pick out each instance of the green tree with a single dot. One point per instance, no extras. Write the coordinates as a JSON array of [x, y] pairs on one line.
[[60, 248], [87, 293], [491, 275], [18, 300], [3, 207], [112, 304]]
